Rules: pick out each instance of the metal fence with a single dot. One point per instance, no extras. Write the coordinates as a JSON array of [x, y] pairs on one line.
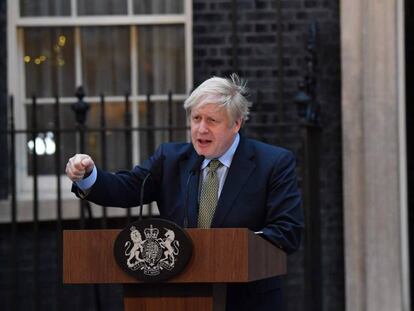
[[86, 220], [308, 134]]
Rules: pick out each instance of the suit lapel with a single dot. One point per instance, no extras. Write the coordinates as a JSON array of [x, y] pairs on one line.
[[191, 189], [239, 172]]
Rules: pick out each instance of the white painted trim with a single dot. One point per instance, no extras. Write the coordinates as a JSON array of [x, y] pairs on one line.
[[372, 57], [134, 92], [130, 8], [73, 8], [16, 87], [102, 20], [78, 57], [48, 211], [21, 91], [22, 162], [14, 84], [12, 79], [91, 99], [403, 181], [134, 60], [16, 74]]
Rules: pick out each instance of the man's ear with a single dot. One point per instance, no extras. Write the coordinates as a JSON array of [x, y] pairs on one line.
[[238, 123]]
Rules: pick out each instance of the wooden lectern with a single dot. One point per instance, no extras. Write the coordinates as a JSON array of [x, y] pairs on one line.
[[220, 256]]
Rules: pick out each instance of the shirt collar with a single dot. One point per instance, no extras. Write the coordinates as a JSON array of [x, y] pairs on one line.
[[227, 157]]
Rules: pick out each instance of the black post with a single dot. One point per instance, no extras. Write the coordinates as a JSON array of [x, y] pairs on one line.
[[103, 152], [312, 245], [308, 111], [81, 108], [13, 257], [128, 142], [150, 133], [34, 132], [59, 227], [170, 116], [306, 96]]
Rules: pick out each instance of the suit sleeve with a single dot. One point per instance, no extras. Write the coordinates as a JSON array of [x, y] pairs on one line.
[[122, 189], [284, 216]]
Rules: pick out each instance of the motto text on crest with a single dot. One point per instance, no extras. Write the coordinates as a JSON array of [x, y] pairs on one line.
[[153, 254]]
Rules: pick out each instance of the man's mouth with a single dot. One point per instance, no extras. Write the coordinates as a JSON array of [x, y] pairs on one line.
[[204, 142]]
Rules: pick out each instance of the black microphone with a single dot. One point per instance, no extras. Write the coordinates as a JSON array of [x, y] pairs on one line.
[[155, 168], [194, 170]]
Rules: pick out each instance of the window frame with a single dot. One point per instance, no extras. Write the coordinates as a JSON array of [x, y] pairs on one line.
[[16, 75]]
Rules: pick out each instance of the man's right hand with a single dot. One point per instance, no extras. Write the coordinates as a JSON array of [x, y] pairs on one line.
[[78, 166]]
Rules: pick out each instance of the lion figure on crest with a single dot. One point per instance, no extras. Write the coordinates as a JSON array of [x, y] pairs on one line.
[[135, 251]]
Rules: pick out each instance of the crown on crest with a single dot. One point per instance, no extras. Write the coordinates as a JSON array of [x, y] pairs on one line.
[[151, 233]]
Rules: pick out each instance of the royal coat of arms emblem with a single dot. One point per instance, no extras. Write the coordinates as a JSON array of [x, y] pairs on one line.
[[153, 250]]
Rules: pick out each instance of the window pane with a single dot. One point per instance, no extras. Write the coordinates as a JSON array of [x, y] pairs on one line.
[[46, 139], [102, 7], [115, 140], [170, 121], [44, 8], [49, 62], [161, 59], [158, 7], [106, 60]]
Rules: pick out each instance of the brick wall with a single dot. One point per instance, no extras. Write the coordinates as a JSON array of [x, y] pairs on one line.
[[258, 59]]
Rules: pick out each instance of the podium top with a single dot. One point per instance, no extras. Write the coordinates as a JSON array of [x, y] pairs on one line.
[[228, 255]]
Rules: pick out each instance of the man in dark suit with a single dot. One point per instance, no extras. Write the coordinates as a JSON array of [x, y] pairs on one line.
[[252, 185]]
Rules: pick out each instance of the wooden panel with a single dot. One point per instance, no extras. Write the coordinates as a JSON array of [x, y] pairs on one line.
[[264, 259], [182, 297], [219, 256], [168, 304], [88, 257]]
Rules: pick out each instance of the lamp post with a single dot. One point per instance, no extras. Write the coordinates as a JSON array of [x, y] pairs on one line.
[[81, 108], [305, 98], [308, 110]]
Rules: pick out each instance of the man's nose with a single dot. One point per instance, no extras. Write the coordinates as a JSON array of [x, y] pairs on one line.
[[202, 127]]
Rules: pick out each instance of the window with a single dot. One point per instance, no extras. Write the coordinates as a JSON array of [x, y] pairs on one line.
[[109, 47]]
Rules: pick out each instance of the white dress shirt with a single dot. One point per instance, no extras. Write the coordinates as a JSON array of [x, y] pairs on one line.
[[226, 160]]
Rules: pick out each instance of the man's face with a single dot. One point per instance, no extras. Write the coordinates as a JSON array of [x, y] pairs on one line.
[[212, 131]]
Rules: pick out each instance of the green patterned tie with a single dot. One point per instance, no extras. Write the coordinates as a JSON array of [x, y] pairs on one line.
[[209, 195]]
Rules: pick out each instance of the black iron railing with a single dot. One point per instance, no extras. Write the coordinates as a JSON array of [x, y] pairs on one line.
[[87, 220], [308, 171]]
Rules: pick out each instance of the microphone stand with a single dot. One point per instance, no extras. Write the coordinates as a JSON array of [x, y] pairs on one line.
[[194, 171], [141, 199]]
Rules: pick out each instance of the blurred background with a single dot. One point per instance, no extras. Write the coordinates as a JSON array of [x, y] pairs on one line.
[[329, 80]]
